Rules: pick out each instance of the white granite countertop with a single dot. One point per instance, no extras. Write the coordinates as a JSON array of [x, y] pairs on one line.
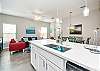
[[78, 54]]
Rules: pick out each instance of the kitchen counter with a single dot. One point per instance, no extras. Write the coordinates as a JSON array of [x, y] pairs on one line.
[[78, 54]]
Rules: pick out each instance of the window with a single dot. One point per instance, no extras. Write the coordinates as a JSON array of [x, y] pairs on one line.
[[9, 32], [44, 32]]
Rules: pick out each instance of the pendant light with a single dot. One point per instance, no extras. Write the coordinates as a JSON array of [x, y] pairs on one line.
[[57, 20], [86, 11], [96, 36], [70, 19], [85, 8]]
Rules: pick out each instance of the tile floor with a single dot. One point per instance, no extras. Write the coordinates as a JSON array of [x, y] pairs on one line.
[[16, 62]]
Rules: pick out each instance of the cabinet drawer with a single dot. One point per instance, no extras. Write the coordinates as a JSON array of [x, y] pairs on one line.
[[52, 58]]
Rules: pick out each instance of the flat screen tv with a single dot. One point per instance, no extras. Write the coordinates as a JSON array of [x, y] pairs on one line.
[[77, 29]]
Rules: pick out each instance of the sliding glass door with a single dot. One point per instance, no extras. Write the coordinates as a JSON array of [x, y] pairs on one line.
[[9, 32]]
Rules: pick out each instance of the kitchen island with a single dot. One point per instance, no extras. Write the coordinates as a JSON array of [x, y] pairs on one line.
[[47, 59]]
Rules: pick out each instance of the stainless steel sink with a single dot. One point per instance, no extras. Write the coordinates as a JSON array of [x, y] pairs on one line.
[[58, 47]]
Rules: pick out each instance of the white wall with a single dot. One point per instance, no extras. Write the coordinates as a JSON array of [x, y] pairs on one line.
[[21, 24], [0, 6], [89, 24], [1, 26], [0, 21]]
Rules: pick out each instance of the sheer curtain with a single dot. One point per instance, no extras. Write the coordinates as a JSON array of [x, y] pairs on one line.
[[9, 32]]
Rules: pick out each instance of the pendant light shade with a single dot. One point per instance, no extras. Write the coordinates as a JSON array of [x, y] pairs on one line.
[[57, 20], [70, 19], [85, 8], [86, 11]]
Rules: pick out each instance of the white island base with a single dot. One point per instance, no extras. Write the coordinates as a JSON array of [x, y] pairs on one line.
[[47, 59]]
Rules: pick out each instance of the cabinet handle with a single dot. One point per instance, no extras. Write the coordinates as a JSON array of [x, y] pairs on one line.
[[35, 56], [46, 66], [43, 63]]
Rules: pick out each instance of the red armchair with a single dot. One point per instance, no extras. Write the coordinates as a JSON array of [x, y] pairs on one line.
[[16, 46]]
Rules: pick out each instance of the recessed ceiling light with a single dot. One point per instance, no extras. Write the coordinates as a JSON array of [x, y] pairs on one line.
[[38, 11], [37, 17]]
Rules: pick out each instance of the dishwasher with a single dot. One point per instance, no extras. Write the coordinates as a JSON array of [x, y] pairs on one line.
[[74, 67]]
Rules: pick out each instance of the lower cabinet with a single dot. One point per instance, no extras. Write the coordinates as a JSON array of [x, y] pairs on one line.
[[34, 58], [41, 63], [52, 67], [45, 65]]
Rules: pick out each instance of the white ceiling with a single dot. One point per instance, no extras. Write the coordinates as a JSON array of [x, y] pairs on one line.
[[48, 7]]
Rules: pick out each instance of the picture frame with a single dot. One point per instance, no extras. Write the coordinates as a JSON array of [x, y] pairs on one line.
[[76, 29], [30, 30]]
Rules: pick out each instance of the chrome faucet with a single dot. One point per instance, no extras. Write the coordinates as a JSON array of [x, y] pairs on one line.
[[59, 40]]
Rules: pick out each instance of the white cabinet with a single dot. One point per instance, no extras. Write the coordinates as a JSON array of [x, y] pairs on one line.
[[44, 61], [52, 58], [45, 65], [52, 67], [34, 57]]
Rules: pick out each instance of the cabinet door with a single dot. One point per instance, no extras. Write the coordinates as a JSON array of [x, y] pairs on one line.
[[34, 57], [51, 67], [41, 63]]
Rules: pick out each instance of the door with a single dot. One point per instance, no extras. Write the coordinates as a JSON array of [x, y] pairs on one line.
[[42, 63], [51, 67]]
